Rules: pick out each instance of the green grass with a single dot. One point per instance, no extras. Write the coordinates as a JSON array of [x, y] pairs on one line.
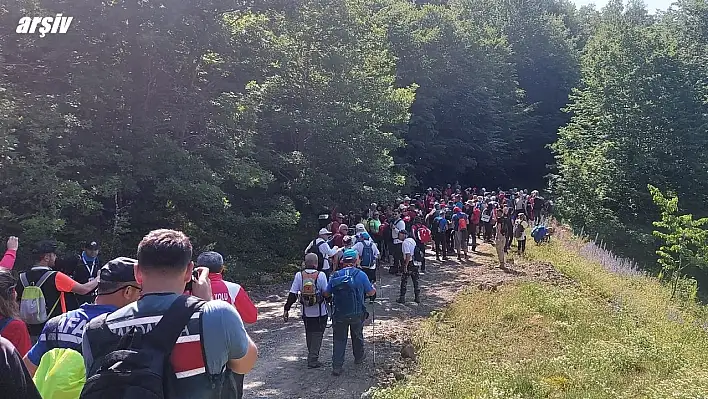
[[611, 337]]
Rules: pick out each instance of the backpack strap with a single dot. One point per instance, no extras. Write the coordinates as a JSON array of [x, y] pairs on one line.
[[23, 280], [4, 322], [44, 278], [166, 333]]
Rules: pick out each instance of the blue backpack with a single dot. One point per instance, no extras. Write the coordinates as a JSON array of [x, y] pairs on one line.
[[367, 254], [442, 224], [346, 299]]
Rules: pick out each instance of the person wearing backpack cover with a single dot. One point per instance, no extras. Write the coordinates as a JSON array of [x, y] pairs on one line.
[[368, 258], [11, 327], [41, 289], [422, 236], [55, 361], [348, 287], [308, 286], [412, 257], [167, 345]]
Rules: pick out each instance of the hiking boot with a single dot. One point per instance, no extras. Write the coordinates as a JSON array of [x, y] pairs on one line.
[[360, 360], [337, 372], [421, 272], [314, 365], [401, 300], [417, 299]]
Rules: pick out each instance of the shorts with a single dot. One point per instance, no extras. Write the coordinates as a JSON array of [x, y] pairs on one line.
[[370, 273]]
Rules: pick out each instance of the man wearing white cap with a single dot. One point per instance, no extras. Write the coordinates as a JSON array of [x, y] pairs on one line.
[[321, 248], [360, 228]]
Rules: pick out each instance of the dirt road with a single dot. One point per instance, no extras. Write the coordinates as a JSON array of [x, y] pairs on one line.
[[281, 372]]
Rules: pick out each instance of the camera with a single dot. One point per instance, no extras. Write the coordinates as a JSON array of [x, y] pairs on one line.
[[195, 276]]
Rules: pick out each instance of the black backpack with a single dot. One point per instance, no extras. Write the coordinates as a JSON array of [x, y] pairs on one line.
[[315, 249], [140, 365]]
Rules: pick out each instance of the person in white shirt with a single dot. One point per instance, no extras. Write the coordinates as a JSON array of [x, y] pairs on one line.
[[368, 257], [520, 228], [411, 262], [314, 311], [325, 251], [397, 226]]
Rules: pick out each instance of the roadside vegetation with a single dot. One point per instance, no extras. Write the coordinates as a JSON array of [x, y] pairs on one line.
[[613, 333]]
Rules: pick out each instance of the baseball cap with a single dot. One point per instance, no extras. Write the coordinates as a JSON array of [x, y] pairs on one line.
[[119, 270], [324, 231], [91, 245], [45, 247], [349, 255], [360, 227], [457, 209], [365, 236], [402, 207], [210, 259]]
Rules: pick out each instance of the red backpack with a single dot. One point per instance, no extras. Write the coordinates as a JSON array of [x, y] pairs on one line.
[[423, 234]]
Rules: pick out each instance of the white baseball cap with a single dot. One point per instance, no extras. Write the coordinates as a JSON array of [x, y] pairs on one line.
[[324, 232]]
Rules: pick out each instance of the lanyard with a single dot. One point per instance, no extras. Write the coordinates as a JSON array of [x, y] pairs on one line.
[[93, 265]]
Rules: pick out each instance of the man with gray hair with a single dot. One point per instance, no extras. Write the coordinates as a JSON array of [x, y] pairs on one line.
[[308, 285]]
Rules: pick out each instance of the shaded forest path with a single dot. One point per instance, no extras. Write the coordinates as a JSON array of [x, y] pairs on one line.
[[281, 368]]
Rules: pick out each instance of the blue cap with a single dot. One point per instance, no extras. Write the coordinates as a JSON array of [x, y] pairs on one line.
[[350, 255], [365, 236]]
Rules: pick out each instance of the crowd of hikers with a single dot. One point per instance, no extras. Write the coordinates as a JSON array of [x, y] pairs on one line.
[[341, 263], [163, 325]]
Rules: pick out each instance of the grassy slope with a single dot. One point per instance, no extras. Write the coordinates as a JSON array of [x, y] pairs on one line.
[[610, 337]]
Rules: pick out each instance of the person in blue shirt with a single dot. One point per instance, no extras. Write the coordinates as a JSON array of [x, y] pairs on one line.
[[116, 288], [439, 232], [348, 286]]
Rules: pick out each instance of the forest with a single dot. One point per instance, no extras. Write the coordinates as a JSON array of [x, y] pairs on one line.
[[239, 121]]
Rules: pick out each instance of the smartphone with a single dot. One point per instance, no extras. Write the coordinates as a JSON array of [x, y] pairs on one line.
[[195, 276]]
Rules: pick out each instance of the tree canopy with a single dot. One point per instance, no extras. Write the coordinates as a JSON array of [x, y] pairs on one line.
[[238, 121]]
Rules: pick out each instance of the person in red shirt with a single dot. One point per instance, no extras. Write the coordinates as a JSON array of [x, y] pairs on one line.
[[476, 215], [338, 220], [226, 290], [8, 260], [11, 327], [229, 292]]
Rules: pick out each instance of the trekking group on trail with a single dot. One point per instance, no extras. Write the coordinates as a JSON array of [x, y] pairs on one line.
[[162, 325], [341, 263]]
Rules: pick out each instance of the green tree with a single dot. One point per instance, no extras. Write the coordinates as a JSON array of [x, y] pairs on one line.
[[683, 241]]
